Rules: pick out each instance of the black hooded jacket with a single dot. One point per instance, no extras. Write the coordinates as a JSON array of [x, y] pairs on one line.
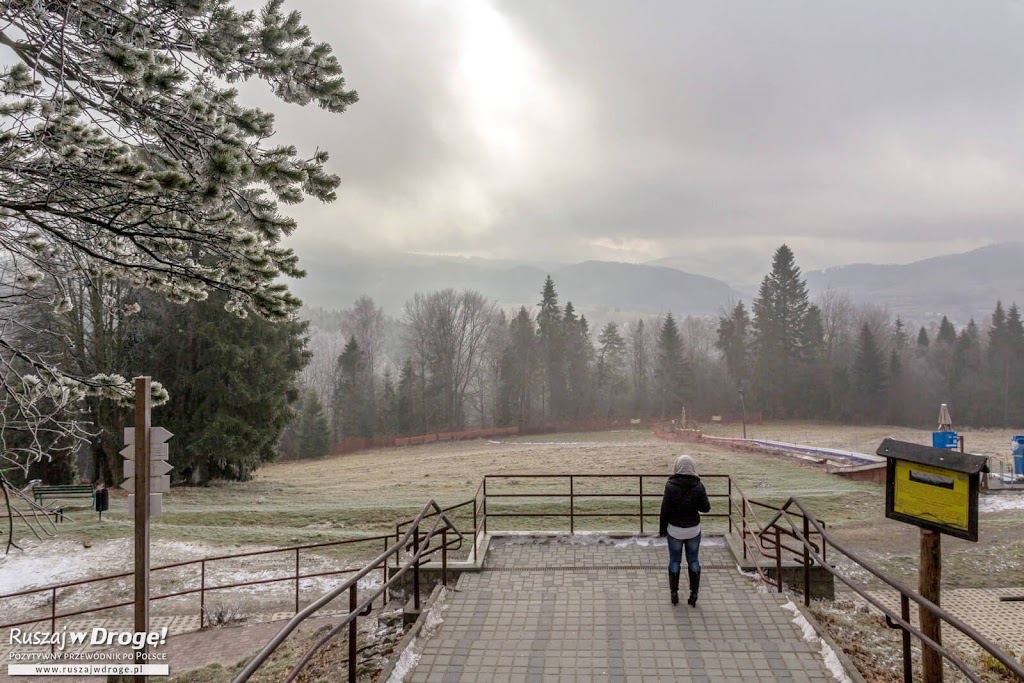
[[684, 498]]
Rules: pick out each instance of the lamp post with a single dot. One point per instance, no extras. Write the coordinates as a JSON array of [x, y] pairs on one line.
[[743, 405]]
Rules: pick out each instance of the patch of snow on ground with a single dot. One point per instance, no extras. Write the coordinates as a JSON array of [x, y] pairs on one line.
[[44, 563], [832, 662], [409, 658], [1001, 501]]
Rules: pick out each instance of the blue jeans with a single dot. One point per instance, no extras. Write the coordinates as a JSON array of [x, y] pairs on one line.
[[675, 554]]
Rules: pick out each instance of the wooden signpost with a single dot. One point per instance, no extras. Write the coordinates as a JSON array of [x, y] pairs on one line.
[[147, 470], [937, 490]]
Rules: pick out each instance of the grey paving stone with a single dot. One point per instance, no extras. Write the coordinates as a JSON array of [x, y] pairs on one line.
[[561, 612]]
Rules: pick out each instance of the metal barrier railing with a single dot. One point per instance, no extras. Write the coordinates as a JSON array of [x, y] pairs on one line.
[[573, 494], [201, 567], [419, 544], [791, 532], [793, 520]]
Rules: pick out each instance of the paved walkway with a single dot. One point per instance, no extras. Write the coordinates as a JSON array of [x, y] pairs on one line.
[[561, 611]]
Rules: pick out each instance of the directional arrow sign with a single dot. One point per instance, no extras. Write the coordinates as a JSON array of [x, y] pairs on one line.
[[156, 484], [155, 504], [157, 468], [157, 451], [157, 435]]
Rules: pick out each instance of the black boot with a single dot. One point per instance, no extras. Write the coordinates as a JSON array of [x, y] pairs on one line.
[[694, 587], [673, 585]]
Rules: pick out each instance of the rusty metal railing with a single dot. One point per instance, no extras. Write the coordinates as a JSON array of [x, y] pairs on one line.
[[201, 567], [413, 539], [794, 520], [572, 494], [791, 532]]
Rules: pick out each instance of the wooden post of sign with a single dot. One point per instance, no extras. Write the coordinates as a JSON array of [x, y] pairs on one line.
[[930, 588], [142, 424]]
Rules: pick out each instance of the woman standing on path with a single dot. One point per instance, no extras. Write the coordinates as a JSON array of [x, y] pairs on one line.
[[684, 499]]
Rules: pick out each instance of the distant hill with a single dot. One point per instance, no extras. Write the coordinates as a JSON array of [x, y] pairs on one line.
[[961, 286], [598, 288]]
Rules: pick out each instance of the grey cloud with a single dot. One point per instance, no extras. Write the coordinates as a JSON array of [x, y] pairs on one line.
[[878, 124]]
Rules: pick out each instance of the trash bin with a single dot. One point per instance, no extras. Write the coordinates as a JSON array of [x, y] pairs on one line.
[[1018, 455]]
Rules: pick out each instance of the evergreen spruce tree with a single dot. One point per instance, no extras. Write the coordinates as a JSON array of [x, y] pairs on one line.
[[781, 335], [129, 159], [233, 383], [670, 376], [922, 340], [352, 399], [947, 333], [388, 404], [407, 419], [734, 343], [869, 378], [519, 369], [611, 370], [552, 347], [314, 434], [640, 368]]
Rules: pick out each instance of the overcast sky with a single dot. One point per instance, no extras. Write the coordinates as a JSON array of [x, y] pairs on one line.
[[855, 130]]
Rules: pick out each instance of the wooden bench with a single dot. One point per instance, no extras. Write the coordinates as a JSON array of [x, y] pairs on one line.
[[68, 491]]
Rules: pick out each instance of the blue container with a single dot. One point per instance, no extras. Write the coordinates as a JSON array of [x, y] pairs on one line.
[[1018, 445], [945, 440], [1018, 465]]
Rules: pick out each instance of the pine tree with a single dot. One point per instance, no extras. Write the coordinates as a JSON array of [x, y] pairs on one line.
[[388, 404], [781, 334], [314, 434], [734, 343], [234, 384], [922, 340], [579, 351], [869, 380], [639, 362], [947, 333], [611, 370], [552, 343], [519, 368], [127, 155], [407, 417], [352, 399], [670, 377]]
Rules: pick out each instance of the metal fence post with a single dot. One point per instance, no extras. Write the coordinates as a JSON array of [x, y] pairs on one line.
[[778, 559], [202, 593], [53, 615], [485, 504], [908, 664], [641, 479], [729, 480], [572, 507], [352, 631], [296, 580], [474, 529], [416, 567], [807, 562], [743, 521], [444, 557]]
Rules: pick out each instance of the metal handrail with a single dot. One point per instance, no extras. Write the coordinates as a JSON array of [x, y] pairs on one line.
[[906, 594], [572, 495], [360, 609], [203, 588]]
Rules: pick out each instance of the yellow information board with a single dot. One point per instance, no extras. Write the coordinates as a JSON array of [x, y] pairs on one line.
[[932, 494]]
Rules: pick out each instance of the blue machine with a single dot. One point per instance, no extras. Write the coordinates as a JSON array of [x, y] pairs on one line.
[[947, 440], [1018, 455]]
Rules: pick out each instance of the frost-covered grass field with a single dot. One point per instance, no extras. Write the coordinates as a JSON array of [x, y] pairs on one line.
[[365, 493]]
